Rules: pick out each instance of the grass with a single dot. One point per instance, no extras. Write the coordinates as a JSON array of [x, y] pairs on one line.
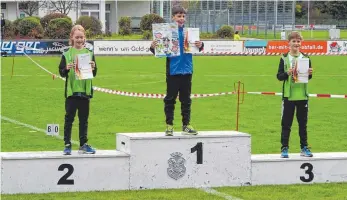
[[332, 191], [32, 97]]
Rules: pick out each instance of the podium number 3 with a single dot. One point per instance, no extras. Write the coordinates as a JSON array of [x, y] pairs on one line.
[[198, 149], [308, 171], [64, 179]]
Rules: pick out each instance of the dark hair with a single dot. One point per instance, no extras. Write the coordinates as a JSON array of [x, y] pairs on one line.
[[236, 32], [178, 10]]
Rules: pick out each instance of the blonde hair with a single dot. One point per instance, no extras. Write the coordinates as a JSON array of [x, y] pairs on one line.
[[76, 28], [294, 35]]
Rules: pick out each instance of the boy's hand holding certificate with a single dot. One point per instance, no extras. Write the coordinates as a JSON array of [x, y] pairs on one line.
[[83, 69], [302, 70]]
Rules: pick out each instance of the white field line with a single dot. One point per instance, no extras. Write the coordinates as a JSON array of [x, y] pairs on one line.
[[220, 194], [33, 128]]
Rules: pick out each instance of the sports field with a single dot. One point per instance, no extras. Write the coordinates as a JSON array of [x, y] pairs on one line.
[[32, 97]]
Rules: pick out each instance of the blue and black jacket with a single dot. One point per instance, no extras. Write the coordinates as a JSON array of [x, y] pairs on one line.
[[183, 64]]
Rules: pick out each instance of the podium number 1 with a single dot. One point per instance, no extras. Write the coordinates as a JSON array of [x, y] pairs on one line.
[[198, 149]]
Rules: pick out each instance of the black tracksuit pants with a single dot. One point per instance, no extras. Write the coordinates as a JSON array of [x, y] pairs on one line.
[[288, 108], [178, 85], [72, 104]]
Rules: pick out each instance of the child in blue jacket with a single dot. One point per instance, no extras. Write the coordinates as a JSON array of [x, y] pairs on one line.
[[179, 72]]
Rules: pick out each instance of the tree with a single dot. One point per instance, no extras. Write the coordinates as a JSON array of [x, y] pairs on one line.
[[335, 8], [63, 6], [30, 7]]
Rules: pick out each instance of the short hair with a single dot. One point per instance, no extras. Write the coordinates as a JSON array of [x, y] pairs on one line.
[[295, 35], [178, 10]]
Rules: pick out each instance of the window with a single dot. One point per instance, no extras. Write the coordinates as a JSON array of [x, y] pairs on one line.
[[108, 7], [3, 5], [90, 10], [90, 6]]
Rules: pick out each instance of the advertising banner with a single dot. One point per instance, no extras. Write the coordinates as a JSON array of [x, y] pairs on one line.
[[115, 47], [142, 47], [222, 47], [37, 47], [337, 47], [306, 47], [255, 46]]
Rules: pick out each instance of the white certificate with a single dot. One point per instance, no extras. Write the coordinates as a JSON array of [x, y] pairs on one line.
[[191, 35], [302, 70], [83, 68]]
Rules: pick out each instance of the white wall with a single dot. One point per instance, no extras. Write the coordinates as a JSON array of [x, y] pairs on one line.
[[10, 11], [124, 8], [128, 8]]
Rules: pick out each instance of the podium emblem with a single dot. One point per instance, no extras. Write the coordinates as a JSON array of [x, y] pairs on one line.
[[176, 169]]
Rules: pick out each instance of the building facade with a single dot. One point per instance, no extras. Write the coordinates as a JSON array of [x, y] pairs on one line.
[[107, 11]]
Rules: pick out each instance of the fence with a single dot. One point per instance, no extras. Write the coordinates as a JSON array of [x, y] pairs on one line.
[[264, 19]]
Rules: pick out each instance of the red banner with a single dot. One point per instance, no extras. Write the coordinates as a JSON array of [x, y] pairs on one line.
[[306, 47]]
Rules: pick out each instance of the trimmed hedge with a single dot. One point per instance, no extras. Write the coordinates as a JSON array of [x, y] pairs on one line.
[[47, 18], [149, 19], [225, 32], [124, 26], [59, 28], [91, 25], [31, 27]]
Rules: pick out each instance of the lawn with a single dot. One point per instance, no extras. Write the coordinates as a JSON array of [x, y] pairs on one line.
[[32, 97]]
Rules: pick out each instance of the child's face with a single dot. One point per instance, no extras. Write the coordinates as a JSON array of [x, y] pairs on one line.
[[295, 44], [78, 39], [180, 18]]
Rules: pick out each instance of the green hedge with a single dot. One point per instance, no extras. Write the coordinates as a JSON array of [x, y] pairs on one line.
[[59, 28], [30, 27], [149, 19]]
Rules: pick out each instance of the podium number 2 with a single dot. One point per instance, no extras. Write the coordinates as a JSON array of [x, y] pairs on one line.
[[309, 167], [198, 149], [64, 179]]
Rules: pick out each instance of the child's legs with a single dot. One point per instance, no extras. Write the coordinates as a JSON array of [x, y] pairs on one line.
[[83, 114], [301, 116], [288, 108], [185, 92], [70, 113], [172, 85]]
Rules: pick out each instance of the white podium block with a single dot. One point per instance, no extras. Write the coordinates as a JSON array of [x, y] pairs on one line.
[[215, 158], [44, 172], [269, 169]]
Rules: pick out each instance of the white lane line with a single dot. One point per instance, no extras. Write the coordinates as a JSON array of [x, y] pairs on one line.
[[220, 194], [33, 128]]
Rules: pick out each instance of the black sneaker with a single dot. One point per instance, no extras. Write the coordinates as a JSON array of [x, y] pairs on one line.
[[188, 130]]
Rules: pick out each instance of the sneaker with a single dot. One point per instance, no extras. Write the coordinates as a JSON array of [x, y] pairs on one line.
[[67, 150], [87, 149], [284, 152], [169, 130], [306, 152], [188, 130]]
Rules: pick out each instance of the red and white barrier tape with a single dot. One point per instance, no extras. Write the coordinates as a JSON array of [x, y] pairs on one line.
[[155, 96], [161, 96], [311, 95]]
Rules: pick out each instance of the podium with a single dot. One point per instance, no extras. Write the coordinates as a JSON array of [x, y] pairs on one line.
[[154, 161], [51, 171], [213, 158], [322, 168]]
